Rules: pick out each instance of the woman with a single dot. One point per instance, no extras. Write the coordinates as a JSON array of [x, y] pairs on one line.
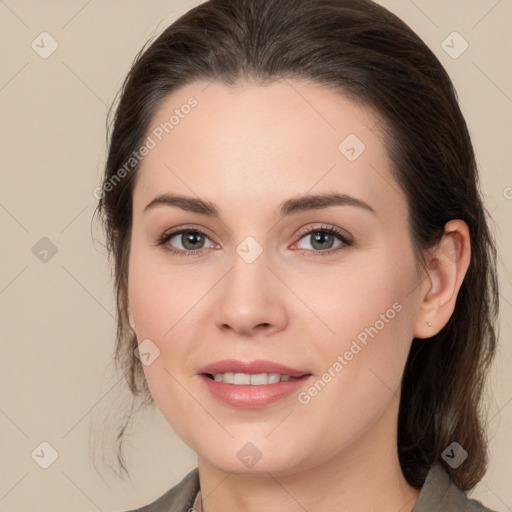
[[306, 281]]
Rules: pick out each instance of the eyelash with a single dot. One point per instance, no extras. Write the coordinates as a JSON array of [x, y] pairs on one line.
[[342, 236]]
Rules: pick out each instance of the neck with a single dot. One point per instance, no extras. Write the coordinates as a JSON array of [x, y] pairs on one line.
[[364, 477]]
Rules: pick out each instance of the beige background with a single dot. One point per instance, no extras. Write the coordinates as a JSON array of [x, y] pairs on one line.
[[56, 379]]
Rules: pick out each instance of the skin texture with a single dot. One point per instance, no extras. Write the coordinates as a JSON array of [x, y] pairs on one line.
[[247, 149]]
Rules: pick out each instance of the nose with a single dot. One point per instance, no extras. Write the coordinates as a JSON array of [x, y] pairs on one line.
[[250, 300]]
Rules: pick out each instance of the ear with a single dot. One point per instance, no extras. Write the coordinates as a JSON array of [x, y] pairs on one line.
[[447, 265]]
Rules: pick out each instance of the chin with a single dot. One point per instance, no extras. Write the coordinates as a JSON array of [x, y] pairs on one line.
[[253, 459]]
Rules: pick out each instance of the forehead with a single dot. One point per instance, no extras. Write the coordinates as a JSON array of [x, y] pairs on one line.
[[258, 143]]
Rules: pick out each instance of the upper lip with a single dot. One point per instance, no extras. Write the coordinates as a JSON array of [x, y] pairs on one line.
[[252, 367]]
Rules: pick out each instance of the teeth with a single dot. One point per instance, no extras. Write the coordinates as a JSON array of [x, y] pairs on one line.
[[241, 378], [258, 379]]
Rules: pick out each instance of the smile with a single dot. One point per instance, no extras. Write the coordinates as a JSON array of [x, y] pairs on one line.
[[251, 384], [255, 379]]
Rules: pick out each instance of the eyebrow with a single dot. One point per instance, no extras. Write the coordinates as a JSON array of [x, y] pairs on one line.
[[288, 207]]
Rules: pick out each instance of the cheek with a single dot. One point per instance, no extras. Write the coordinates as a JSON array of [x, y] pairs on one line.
[[360, 379], [370, 315], [159, 304], [162, 300], [361, 293], [158, 294], [172, 399]]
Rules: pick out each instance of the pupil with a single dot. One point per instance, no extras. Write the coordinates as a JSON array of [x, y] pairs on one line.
[[191, 239], [319, 238]]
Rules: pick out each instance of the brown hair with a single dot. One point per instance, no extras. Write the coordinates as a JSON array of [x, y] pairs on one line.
[[361, 50]]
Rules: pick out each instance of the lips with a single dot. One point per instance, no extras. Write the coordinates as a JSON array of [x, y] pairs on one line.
[[251, 367], [253, 384]]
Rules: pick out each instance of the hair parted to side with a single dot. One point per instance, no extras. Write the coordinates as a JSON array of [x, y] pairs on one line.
[[362, 50]]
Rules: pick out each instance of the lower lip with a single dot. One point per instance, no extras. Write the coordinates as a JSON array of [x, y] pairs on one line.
[[253, 397]]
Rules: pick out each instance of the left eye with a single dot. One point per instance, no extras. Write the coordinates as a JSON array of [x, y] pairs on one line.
[[324, 239]]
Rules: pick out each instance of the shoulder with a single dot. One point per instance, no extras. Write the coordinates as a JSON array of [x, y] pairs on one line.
[[440, 494], [179, 498]]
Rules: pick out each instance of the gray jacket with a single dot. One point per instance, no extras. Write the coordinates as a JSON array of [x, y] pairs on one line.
[[438, 494]]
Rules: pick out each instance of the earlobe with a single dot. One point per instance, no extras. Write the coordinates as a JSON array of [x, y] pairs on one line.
[[446, 268]]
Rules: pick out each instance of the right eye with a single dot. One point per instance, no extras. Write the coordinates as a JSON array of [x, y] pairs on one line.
[[184, 241]]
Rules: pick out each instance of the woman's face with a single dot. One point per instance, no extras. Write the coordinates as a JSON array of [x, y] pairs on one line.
[[257, 286]]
